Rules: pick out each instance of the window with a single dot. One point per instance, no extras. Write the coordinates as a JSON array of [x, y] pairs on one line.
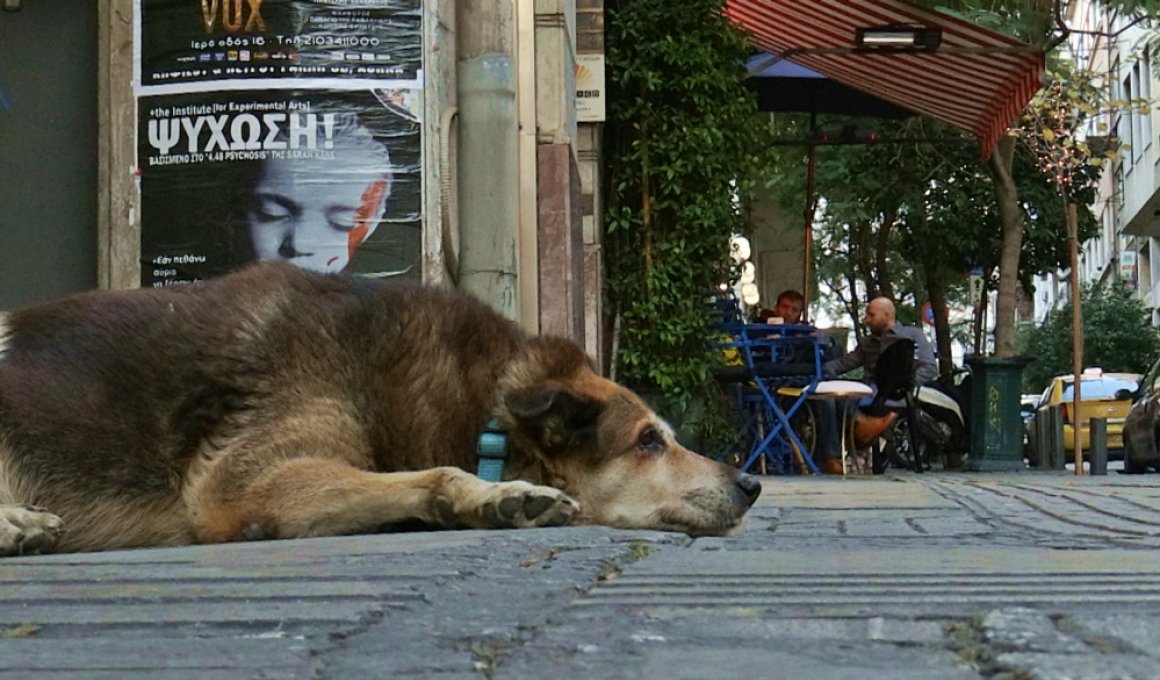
[[1144, 267], [1098, 388], [1127, 119], [1146, 94], [1139, 139]]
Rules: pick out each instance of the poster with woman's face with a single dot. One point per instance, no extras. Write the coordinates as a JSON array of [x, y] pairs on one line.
[[279, 130], [326, 180]]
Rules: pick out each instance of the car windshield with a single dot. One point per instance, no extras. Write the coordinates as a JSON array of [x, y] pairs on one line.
[[1098, 388]]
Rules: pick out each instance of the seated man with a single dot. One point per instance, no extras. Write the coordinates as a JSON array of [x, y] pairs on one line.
[[790, 304], [789, 307], [883, 328]]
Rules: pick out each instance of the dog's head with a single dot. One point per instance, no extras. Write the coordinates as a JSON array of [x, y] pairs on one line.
[[602, 445]]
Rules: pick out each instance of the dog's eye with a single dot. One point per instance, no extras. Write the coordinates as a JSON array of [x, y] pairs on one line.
[[651, 441]]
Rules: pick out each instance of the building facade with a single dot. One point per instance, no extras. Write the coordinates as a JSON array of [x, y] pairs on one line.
[[1128, 203]]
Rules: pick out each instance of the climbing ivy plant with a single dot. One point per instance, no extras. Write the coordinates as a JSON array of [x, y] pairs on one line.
[[683, 143]]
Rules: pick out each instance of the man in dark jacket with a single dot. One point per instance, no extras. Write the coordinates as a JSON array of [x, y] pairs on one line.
[[884, 328]]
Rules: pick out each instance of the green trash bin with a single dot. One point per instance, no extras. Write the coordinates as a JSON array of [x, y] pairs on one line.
[[995, 422]]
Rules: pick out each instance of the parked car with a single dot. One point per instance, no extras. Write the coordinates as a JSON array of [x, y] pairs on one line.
[[1142, 425], [1027, 405], [1103, 395]]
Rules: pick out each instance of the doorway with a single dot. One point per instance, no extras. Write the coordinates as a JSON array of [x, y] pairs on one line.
[[48, 151]]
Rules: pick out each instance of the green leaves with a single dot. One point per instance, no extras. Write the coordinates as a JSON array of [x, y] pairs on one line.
[[682, 141], [1117, 336]]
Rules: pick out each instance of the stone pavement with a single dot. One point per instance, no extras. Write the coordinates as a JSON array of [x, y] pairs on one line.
[[947, 575]]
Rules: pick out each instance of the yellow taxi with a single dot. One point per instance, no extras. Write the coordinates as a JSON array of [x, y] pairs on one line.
[[1097, 400]]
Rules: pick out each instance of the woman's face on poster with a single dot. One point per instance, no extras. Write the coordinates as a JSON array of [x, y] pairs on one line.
[[315, 212]]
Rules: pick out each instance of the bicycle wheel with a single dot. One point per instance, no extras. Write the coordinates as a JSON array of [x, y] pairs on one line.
[[898, 450]]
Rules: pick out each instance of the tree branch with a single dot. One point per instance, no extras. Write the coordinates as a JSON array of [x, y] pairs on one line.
[[1065, 30]]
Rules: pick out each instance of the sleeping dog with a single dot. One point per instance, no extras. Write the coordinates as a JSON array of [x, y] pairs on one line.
[[279, 403]]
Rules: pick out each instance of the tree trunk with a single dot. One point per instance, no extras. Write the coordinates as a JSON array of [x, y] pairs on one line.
[[852, 307], [882, 281], [1011, 216], [862, 254], [1076, 331], [936, 291]]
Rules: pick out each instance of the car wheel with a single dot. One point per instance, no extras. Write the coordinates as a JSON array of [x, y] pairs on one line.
[[1031, 454], [1132, 465]]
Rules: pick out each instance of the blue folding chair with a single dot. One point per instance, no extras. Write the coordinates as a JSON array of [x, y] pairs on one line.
[[773, 357]]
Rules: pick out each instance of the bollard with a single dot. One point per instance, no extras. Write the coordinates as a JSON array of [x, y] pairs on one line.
[[1098, 456], [1043, 442], [1059, 450], [1054, 447]]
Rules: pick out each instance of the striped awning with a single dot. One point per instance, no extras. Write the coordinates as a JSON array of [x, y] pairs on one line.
[[976, 80]]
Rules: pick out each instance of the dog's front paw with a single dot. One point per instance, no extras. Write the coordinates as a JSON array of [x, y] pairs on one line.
[[517, 505], [27, 530]]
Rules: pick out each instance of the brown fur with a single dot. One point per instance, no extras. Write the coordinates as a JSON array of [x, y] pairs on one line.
[[277, 403]]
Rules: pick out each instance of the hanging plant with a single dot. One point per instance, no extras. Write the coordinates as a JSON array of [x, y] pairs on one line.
[[682, 146]]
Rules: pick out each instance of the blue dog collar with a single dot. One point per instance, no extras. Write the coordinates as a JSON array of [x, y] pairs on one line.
[[492, 449]]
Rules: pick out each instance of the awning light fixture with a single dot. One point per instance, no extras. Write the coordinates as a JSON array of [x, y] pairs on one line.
[[899, 38]]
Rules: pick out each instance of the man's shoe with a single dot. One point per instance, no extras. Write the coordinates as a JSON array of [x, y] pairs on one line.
[[831, 466], [867, 428]]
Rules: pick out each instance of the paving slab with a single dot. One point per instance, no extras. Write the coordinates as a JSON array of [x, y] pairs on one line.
[[163, 654], [901, 576], [832, 662], [1117, 632], [863, 493], [1039, 666]]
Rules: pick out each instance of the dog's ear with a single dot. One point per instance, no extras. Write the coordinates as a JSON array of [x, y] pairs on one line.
[[557, 418]]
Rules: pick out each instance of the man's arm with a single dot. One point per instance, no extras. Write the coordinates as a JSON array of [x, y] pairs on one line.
[[844, 364], [925, 363]]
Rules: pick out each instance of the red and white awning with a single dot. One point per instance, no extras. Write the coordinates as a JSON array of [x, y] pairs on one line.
[[977, 80]]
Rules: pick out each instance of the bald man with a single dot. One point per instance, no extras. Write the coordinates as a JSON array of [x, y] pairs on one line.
[[883, 328]]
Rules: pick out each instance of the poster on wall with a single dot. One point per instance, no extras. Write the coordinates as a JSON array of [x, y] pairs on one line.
[[590, 90], [184, 42], [279, 130], [328, 180]]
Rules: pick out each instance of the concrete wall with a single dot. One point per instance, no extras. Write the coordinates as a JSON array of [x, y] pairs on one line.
[[778, 249], [561, 244], [590, 40], [569, 158]]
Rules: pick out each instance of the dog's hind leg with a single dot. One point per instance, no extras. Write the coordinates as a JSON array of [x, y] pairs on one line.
[[27, 530], [312, 496]]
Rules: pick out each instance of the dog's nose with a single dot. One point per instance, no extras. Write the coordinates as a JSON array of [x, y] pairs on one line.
[[750, 487]]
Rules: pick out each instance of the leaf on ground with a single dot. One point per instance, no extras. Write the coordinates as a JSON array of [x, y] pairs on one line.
[[541, 555], [21, 631]]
